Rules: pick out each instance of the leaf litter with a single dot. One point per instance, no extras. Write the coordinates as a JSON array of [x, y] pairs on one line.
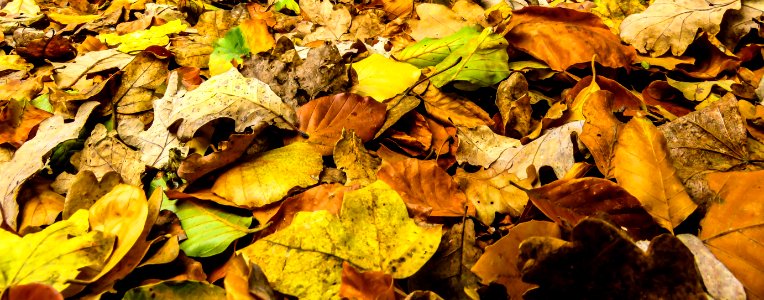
[[381, 149]]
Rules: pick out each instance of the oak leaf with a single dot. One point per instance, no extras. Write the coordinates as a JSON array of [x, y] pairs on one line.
[[352, 158], [491, 192], [104, 153], [141, 79]]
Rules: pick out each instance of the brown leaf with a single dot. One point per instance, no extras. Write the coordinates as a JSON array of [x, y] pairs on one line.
[[709, 140], [600, 257], [734, 229], [601, 130], [513, 102], [660, 94], [499, 263], [36, 291], [490, 192], [642, 166], [352, 158], [568, 201], [369, 285], [140, 80], [195, 165], [543, 31], [324, 118], [28, 159], [452, 108], [104, 153], [426, 188], [55, 48], [245, 280], [323, 197], [435, 21]]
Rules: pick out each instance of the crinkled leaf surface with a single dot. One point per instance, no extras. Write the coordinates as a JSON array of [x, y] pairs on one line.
[[248, 101], [54, 255], [490, 192], [373, 232], [672, 24], [270, 176]]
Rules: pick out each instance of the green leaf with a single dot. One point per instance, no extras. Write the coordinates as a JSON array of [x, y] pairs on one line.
[[483, 61], [230, 47], [52, 256], [176, 290], [288, 4], [210, 229], [43, 102], [429, 52], [373, 232]]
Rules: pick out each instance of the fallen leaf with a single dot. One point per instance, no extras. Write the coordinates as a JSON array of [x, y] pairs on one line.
[[429, 52], [568, 201], [352, 158], [480, 146], [177, 290], [69, 73], [435, 21], [140, 40], [196, 166], [490, 192], [54, 255], [481, 62], [583, 35], [555, 149], [245, 280], [732, 229], [249, 102], [370, 285], [642, 166], [505, 252], [28, 159], [209, 228], [24, 119], [426, 188], [560, 268], [86, 190], [104, 153], [326, 197], [452, 108], [668, 24], [370, 233], [270, 176], [41, 207], [601, 131], [718, 280], [699, 91], [33, 291], [228, 48], [382, 78], [141, 79], [323, 119]]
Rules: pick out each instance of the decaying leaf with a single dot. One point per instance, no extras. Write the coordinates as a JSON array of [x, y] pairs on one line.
[[373, 232], [491, 192], [480, 146], [352, 158], [105, 153], [669, 24]]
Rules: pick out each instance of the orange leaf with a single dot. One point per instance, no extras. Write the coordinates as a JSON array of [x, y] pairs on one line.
[[564, 37], [734, 229], [426, 188], [371, 285], [601, 130], [324, 118], [256, 33]]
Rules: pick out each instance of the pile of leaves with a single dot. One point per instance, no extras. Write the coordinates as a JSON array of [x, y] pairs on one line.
[[381, 149]]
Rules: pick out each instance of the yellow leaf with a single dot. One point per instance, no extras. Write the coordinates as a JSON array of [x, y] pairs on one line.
[[256, 35], [120, 213], [14, 62], [52, 256], [270, 176], [142, 39], [22, 7], [643, 167], [373, 232], [72, 19], [382, 78], [42, 208], [576, 111]]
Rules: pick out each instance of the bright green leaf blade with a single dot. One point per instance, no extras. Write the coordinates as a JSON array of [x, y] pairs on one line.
[[382, 78], [230, 47], [176, 290], [373, 232], [288, 4], [483, 61], [142, 39], [51, 256], [429, 52], [209, 229]]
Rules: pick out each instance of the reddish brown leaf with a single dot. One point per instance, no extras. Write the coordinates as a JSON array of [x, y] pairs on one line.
[[56, 48], [427, 190], [660, 94], [195, 166], [37, 291], [568, 201], [370, 285], [601, 130], [543, 32], [323, 197], [324, 118]]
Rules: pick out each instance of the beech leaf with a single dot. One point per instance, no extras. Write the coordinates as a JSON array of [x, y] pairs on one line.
[[382, 78], [481, 61]]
